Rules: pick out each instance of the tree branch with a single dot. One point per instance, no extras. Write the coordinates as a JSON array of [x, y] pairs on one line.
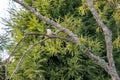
[[52, 36], [108, 39], [12, 53], [95, 58], [25, 53], [48, 21], [107, 33]]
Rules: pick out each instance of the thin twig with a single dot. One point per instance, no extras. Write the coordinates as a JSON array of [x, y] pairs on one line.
[[52, 36], [21, 59], [36, 33], [12, 53]]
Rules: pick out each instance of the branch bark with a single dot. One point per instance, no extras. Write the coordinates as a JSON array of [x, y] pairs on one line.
[[108, 40]]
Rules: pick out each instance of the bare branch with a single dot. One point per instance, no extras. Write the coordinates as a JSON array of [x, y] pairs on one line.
[[52, 36], [108, 39], [12, 53], [36, 34], [23, 56], [95, 58], [107, 33], [48, 21]]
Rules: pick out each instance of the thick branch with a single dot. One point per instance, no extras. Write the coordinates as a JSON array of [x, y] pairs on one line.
[[95, 58], [107, 33], [108, 39], [102, 63], [51, 22]]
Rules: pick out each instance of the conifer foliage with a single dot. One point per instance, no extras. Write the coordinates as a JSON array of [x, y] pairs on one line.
[[42, 57]]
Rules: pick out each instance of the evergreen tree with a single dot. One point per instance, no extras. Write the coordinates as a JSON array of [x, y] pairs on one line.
[[56, 59]]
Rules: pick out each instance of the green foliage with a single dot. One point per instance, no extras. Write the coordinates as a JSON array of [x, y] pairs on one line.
[[2, 70], [56, 59]]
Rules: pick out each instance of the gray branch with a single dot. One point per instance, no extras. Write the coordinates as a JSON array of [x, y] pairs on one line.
[[107, 33], [52, 36], [108, 40]]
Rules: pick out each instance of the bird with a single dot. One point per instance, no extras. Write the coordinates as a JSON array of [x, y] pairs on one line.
[[49, 32]]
